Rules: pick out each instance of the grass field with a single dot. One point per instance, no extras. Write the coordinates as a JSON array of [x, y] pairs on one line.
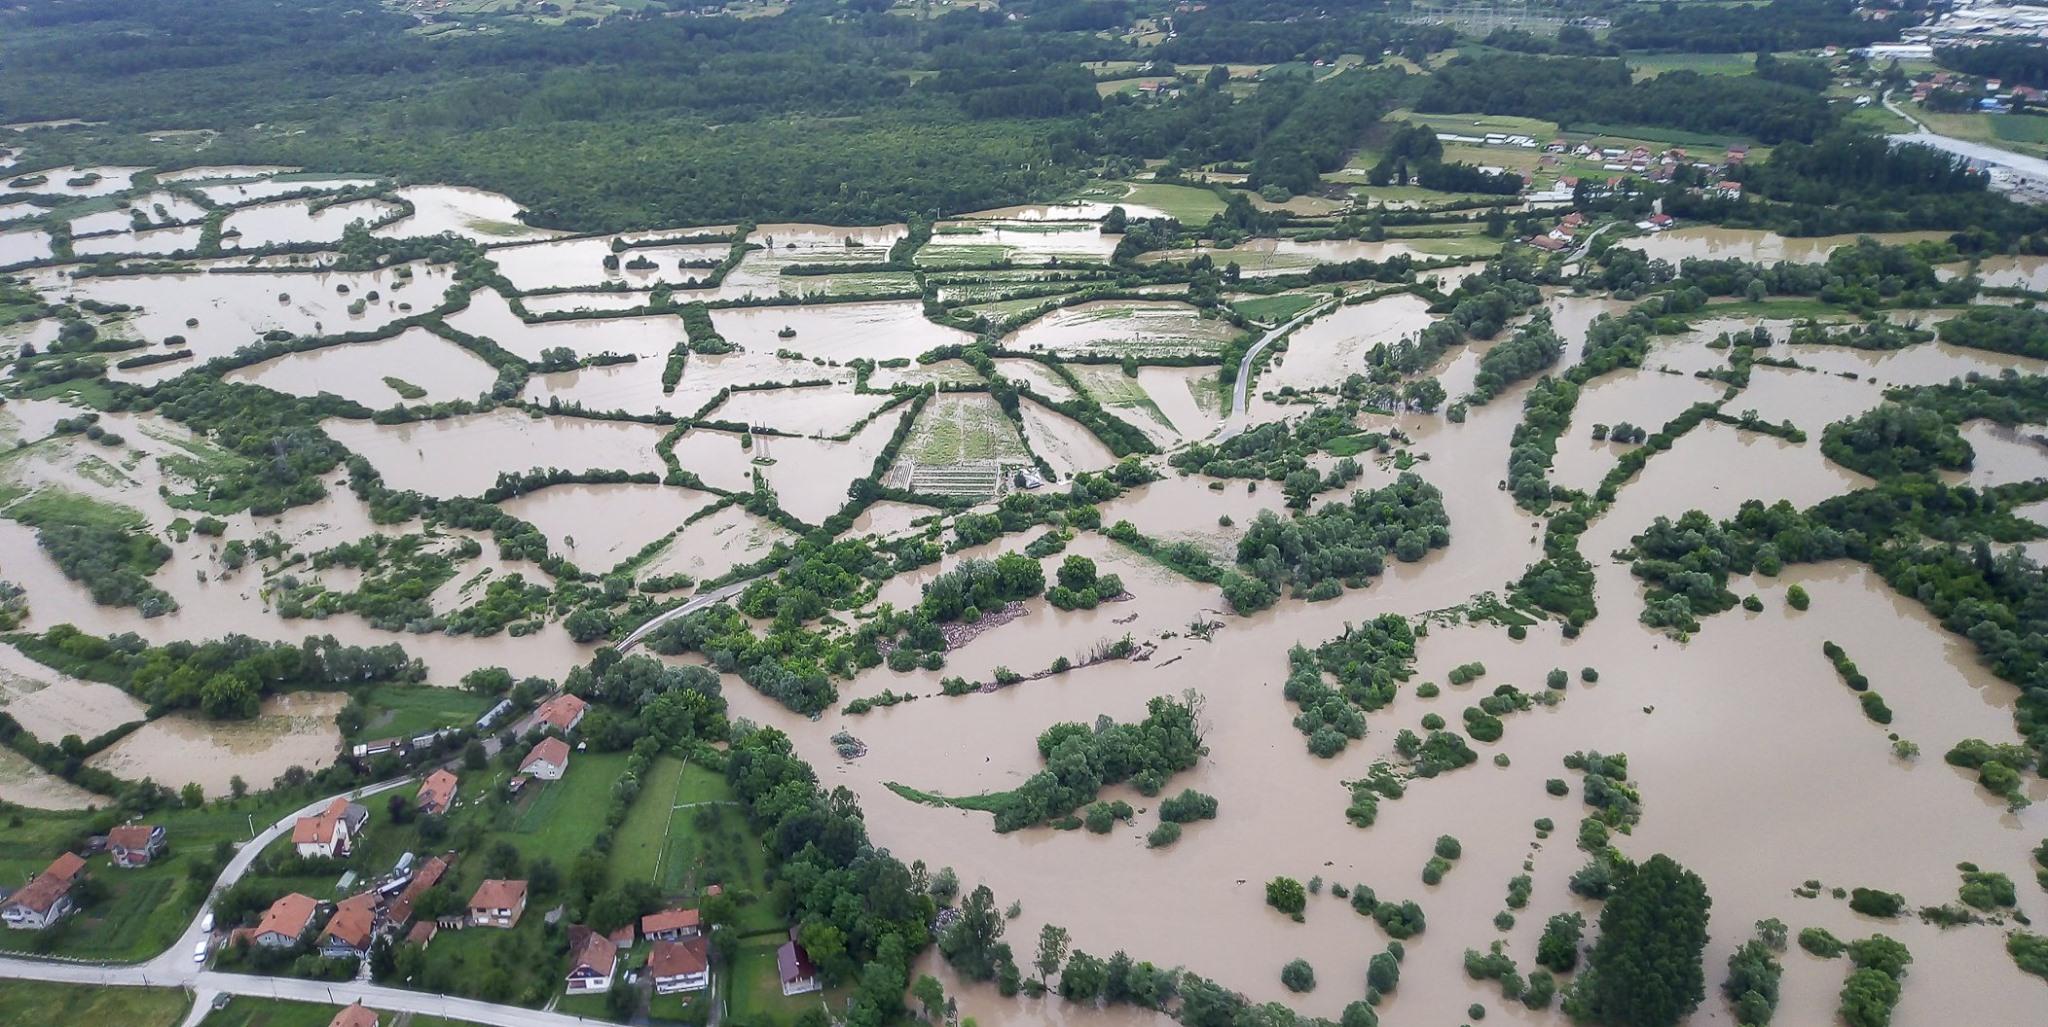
[[249, 1011], [1648, 65], [1190, 204], [563, 818], [638, 845], [754, 987], [2016, 132], [406, 710], [63, 1005], [1275, 309], [1110, 387], [145, 908]]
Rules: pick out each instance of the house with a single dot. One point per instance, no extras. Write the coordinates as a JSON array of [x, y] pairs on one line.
[[1727, 190], [1573, 219], [134, 845], [1738, 154], [354, 1016], [332, 831], [1660, 221], [548, 761], [563, 713], [349, 930], [671, 925], [497, 903], [437, 792], [422, 933], [592, 959], [681, 966], [285, 922], [428, 875], [46, 899], [1545, 242], [798, 975]]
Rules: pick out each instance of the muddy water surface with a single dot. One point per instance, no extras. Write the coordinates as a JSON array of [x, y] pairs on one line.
[[1063, 442], [233, 310], [491, 316], [473, 213], [821, 410], [1123, 326], [179, 239], [26, 784], [1321, 353], [23, 247], [357, 371], [230, 193], [1645, 398], [838, 331], [290, 221], [1755, 245], [463, 456], [50, 705], [293, 730]]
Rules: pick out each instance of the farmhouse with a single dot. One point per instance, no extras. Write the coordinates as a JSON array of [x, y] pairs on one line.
[[437, 792], [798, 974], [134, 845], [592, 959], [563, 712], [548, 761], [671, 925], [285, 922], [332, 831], [354, 1016], [46, 899], [680, 965], [497, 903], [349, 930]]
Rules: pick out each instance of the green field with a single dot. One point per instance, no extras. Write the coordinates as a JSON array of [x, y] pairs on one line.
[[146, 908], [2019, 133], [1275, 309], [406, 710], [250, 1011], [1648, 65], [64, 1005], [1190, 204], [754, 987]]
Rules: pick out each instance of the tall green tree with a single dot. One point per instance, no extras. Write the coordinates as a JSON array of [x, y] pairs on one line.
[[1648, 959]]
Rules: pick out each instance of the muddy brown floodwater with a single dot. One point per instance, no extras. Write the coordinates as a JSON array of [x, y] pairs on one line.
[[295, 730]]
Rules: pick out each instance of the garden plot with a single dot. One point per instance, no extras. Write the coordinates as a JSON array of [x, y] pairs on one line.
[[1125, 328], [416, 366], [967, 244], [937, 372], [959, 446]]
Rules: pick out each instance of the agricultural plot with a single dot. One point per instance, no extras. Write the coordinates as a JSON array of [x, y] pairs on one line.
[[1125, 328], [974, 244], [959, 446]]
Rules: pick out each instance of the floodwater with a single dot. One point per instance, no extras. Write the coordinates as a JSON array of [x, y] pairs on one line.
[[956, 243], [717, 458], [1809, 399], [485, 217], [293, 730], [1645, 398], [923, 374], [357, 371], [889, 519], [1078, 210], [1061, 440], [50, 705], [490, 315], [806, 411], [232, 310], [1257, 258], [579, 263], [1118, 327], [2013, 272], [293, 221], [158, 207], [224, 171], [23, 247], [2005, 454], [1928, 363], [810, 476], [1041, 378], [17, 211], [26, 784], [463, 456], [1189, 397], [838, 331], [1756, 244], [159, 241], [554, 303], [596, 526], [1323, 352], [105, 181], [717, 544], [231, 193]]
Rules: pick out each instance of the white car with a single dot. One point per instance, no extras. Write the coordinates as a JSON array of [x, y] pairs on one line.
[[206, 924], [199, 951]]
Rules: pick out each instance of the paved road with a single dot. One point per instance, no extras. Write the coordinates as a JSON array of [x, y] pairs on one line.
[[715, 596], [1587, 243], [2032, 167], [1240, 396]]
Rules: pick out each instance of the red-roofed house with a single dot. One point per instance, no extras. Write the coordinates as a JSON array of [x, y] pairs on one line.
[[592, 959], [680, 965], [354, 1016], [798, 975], [46, 899], [437, 792], [563, 712], [671, 925], [1731, 190], [349, 930], [332, 831], [1544, 242], [428, 875], [134, 845], [497, 903], [548, 761], [285, 922]]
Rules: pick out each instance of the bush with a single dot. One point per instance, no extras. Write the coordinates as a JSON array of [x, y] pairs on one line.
[[1298, 976], [1871, 902], [1427, 690], [1188, 806], [1820, 942], [1588, 675], [1163, 835], [1286, 895], [1874, 707], [1383, 973], [1400, 920], [1796, 598], [1448, 847], [1432, 722], [1556, 679], [1557, 786], [1434, 870], [1558, 948]]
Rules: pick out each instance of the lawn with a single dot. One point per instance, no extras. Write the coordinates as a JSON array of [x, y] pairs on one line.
[[1652, 65], [407, 710], [638, 845], [753, 987], [38, 1002], [145, 909], [561, 820], [1275, 309], [2016, 132], [250, 1011]]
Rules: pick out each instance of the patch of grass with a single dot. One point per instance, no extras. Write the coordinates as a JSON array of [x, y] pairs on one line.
[[406, 390], [958, 429], [562, 819], [48, 506], [1191, 205], [1647, 66], [39, 1002], [252, 1011], [1276, 309], [638, 845], [406, 710], [754, 993]]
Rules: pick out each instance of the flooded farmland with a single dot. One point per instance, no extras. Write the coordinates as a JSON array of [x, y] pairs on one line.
[[831, 401]]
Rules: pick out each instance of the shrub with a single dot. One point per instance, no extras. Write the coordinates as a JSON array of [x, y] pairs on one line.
[[1427, 690], [1383, 972], [1556, 679], [1163, 835], [1588, 675], [1400, 921], [1188, 806], [1874, 707], [1476, 1011], [1298, 976], [1434, 870], [1448, 847], [1432, 722], [1286, 895], [1556, 786], [1796, 598], [1820, 942], [1871, 902], [1363, 900], [1752, 603], [1558, 948]]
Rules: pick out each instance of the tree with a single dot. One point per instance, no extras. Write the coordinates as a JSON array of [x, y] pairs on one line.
[[237, 787], [1383, 973], [192, 795], [488, 681], [1286, 895], [1868, 997], [473, 756], [931, 995], [1052, 951], [1084, 977], [1298, 976], [970, 944], [1652, 934]]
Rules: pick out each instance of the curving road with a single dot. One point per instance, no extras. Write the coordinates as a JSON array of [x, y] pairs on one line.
[[1240, 395], [175, 968], [717, 595]]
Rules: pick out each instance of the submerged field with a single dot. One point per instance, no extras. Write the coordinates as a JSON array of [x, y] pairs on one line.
[[1407, 584]]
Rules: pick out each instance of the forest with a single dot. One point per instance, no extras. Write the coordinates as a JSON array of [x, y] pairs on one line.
[[1575, 91]]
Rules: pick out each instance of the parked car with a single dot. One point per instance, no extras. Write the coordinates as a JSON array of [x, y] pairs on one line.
[[206, 924], [199, 951]]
